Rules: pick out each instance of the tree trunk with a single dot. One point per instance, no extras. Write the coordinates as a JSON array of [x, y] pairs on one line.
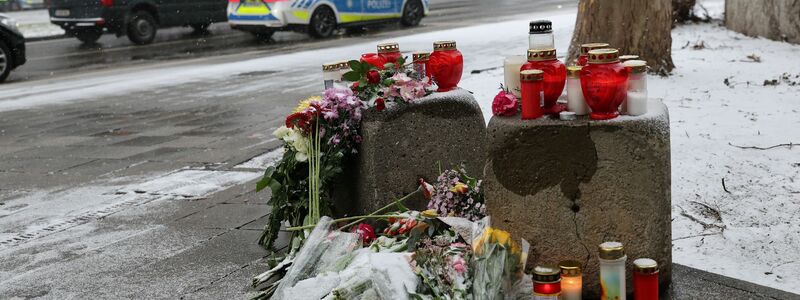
[[640, 27], [683, 10], [774, 19]]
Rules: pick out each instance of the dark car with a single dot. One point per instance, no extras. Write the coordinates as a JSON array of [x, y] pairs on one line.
[[12, 47], [138, 19]]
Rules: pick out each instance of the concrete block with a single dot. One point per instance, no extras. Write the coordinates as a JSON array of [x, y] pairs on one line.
[[567, 186], [405, 142]]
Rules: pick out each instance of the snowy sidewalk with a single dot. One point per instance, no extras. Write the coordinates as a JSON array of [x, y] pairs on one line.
[[35, 24]]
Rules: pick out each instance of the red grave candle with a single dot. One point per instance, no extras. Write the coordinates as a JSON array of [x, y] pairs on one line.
[[604, 82], [546, 283], [645, 279], [583, 59], [531, 83], [389, 52], [445, 65], [555, 77], [373, 59]]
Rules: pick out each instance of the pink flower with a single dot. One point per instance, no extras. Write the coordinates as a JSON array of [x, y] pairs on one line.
[[504, 104], [459, 265], [365, 232]]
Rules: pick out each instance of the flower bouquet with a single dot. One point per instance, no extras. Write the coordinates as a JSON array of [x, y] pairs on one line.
[[499, 263]]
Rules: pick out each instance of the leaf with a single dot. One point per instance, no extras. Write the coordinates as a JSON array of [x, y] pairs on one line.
[[355, 66], [265, 181], [388, 66], [352, 76]]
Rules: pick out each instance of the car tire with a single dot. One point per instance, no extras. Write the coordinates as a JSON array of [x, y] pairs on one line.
[[263, 35], [412, 13], [323, 22], [5, 61], [142, 28], [88, 36]]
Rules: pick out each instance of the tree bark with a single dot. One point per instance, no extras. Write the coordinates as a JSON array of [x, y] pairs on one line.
[[774, 19], [683, 10], [640, 27]]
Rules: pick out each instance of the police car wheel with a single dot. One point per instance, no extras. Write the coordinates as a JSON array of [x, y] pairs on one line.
[[88, 35], [142, 28], [323, 22], [5, 61], [412, 13]]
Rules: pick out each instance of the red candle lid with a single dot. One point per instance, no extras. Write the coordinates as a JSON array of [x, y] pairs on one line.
[[541, 54], [444, 45], [388, 47], [645, 266], [585, 48], [531, 75], [546, 274], [603, 56], [420, 56]]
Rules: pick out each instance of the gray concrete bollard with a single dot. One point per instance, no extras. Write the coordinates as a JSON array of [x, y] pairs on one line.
[[568, 186], [405, 142]]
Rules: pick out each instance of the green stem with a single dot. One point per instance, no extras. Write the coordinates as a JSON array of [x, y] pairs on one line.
[[383, 208], [297, 228]]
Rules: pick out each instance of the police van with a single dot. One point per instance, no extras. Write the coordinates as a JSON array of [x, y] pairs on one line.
[[320, 18]]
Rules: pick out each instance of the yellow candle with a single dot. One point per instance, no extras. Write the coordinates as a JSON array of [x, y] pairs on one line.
[[571, 280]]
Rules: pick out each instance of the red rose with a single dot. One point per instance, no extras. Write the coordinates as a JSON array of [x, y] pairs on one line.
[[380, 104], [504, 104], [373, 77], [365, 232]]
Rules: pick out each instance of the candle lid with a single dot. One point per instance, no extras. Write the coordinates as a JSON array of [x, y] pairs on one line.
[[636, 66], [611, 250], [444, 45], [541, 54], [570, 267], [421, 56], [335, 66], [541, 26], [388, 47], [574, 71], [645, 265], [546, 274], [624, 58], [585, 48], [531, 75], [603, 56]]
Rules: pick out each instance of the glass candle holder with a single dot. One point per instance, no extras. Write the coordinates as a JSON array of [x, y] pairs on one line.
[[546, 283], [645, 279], [532, 94], [332, 74], [604, 82], [373, 59], [583, 59], [541, 35], [420, 62], [555, 75], [512, 64], [575, 101], [636, 101], [390, 53], [446, 65], [571, 280], [612, 271]]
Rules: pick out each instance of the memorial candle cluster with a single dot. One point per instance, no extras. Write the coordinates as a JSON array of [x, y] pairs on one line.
[[444, 66]]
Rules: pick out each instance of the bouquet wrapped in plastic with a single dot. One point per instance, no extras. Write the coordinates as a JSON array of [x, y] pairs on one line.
[[498, 261]]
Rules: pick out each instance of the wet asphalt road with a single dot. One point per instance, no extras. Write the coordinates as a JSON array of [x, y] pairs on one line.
[[51, 58]]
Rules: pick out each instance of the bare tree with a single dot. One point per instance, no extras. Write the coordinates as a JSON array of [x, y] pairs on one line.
[[641, 27]]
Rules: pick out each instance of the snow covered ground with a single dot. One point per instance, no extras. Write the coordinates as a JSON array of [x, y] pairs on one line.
[[748, 229], [35, 23]]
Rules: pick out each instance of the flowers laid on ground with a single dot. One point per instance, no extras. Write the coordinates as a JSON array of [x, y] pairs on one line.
[[505, 104], [499, 264], [320, 134], [456, 194]]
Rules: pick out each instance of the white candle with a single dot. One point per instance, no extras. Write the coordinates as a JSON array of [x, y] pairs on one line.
[[637, 103], [612, 271], [512, 65], [575, 101], [571, 280]]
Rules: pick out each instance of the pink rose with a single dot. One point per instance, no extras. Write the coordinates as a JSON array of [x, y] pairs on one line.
[[504, 104]]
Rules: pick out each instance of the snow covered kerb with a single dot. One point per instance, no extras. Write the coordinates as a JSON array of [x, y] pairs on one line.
[[569, 186]]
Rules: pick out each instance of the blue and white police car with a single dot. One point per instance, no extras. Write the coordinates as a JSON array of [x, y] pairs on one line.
[[320, 18]]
